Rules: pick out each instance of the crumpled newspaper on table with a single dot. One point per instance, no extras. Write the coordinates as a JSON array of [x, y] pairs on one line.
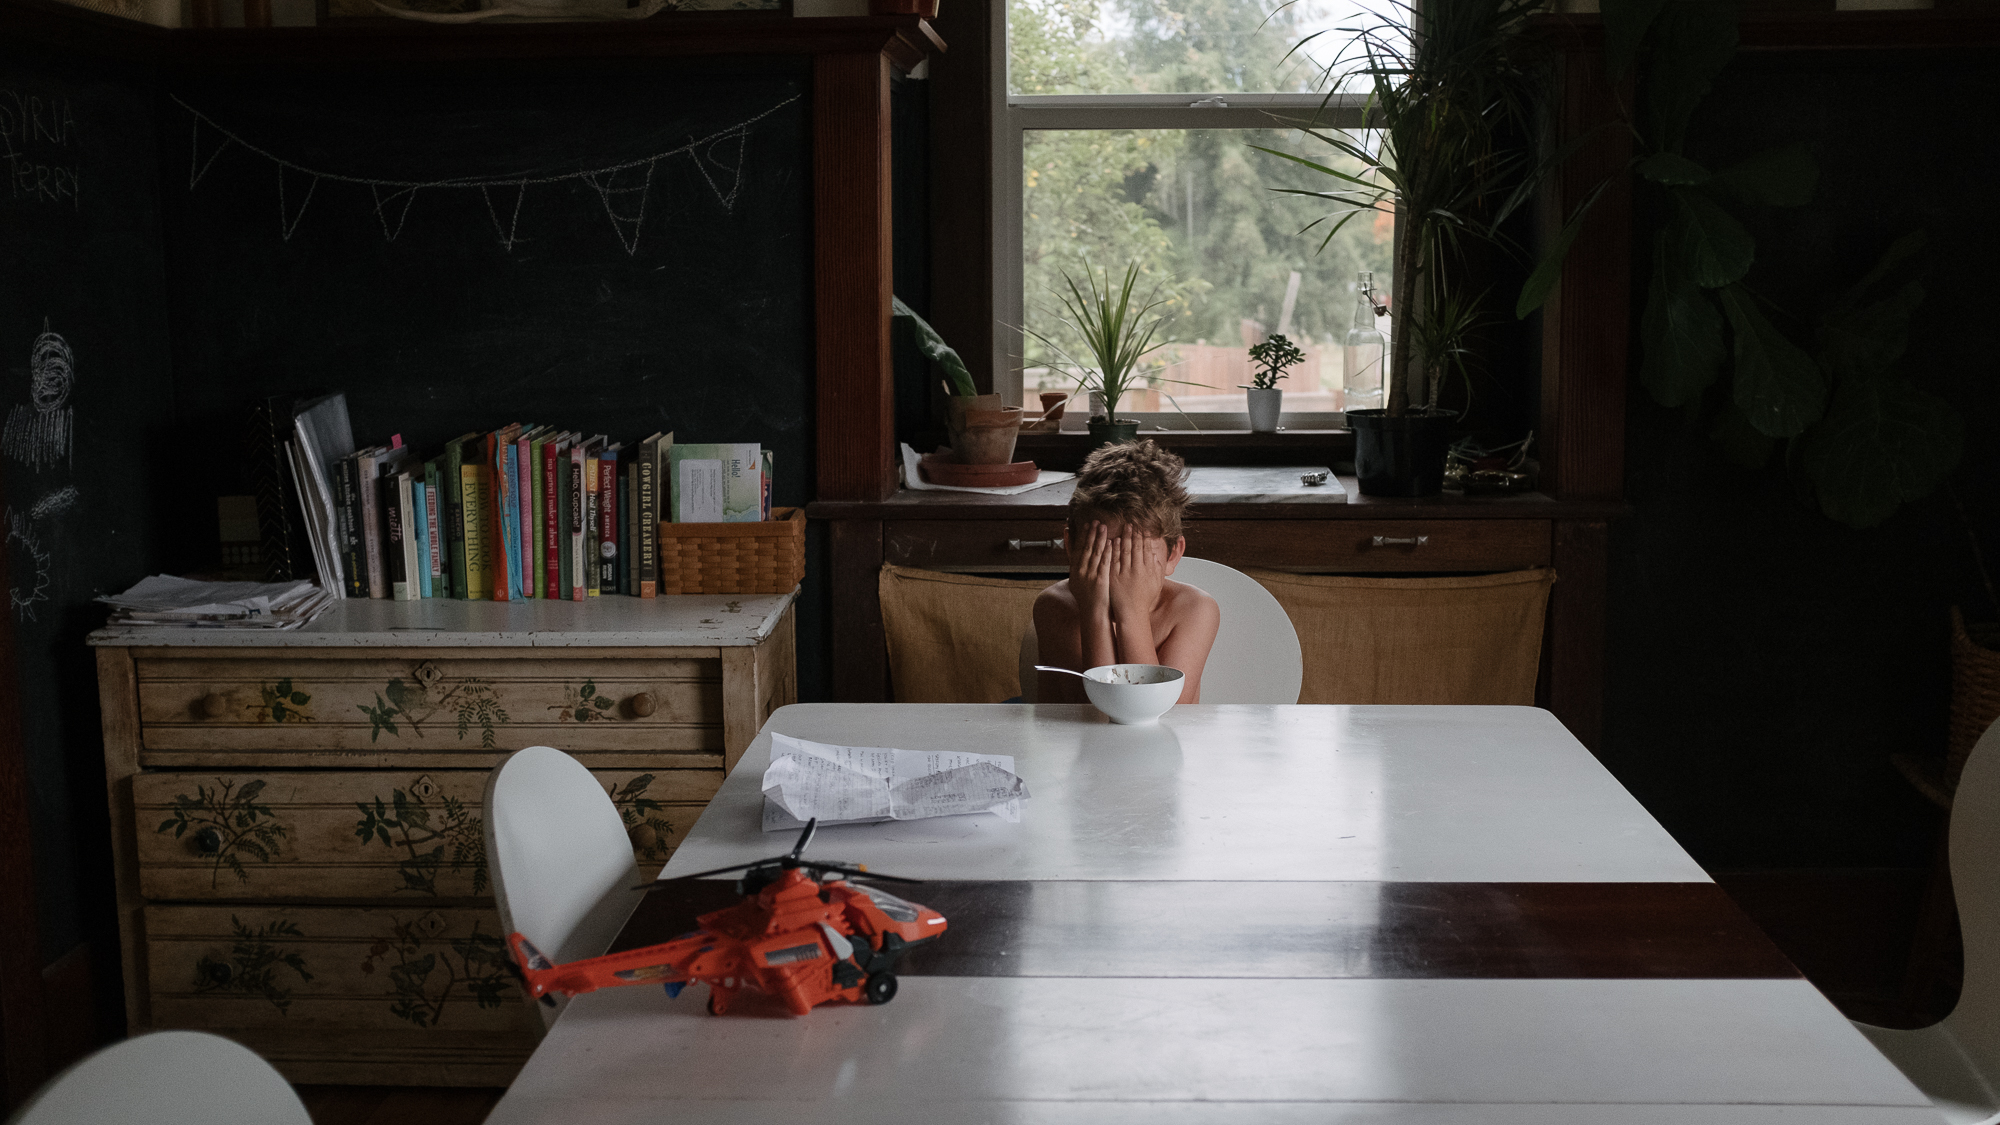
[[864, 784]]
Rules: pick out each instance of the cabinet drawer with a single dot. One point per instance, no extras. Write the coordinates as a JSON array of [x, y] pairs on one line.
[[988, 545], [428, 704], [1335, 545], [1373, 546], [285, 834], [413, 968]]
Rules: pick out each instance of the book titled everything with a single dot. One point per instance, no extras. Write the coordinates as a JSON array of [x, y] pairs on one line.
[[716, 483]]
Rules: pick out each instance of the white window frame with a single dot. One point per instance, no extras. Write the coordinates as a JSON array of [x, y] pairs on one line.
[[1014, 115]]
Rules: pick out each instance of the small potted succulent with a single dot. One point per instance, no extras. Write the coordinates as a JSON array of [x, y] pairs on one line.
[[983, 430], [1266, 398]]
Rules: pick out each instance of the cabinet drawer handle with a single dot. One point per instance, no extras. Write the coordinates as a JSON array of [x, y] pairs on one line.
[[641, 704], [1408, 541], [1034, 544], [212, 706]]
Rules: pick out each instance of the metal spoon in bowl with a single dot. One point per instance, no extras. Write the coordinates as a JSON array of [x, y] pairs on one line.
[[1064, 671]]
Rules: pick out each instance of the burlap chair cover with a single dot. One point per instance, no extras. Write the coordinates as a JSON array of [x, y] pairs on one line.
[[955, 638], [1416, 640]]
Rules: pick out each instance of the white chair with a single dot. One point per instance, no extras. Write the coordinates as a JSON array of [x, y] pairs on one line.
[[1255, 658], [167, 1078], [563, 871], [1956, 1062]]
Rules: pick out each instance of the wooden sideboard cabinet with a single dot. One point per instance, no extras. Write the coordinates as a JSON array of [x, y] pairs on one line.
[[1446, 534], [297, 823]]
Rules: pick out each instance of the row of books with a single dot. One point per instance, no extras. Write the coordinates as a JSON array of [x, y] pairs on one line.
[[522, 512]]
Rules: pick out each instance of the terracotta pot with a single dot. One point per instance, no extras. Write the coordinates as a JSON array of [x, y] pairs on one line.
[[988, 436], [955, 408]]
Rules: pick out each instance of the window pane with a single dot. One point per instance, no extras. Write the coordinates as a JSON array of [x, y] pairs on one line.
[[1196, 211], [1181, 46]]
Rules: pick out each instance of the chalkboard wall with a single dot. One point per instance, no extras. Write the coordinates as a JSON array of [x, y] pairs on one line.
[[618, 249], [87, 397]]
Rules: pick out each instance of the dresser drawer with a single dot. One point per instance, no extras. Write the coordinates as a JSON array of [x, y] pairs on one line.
[[1333, 545], [417, 836], [417, 968], [428, 703]]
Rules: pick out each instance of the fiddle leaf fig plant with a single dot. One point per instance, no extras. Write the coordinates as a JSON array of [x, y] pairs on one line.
[[936, 350], [1861, 438]]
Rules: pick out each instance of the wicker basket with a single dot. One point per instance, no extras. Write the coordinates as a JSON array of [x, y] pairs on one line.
[[1975, 696], [734, 558]]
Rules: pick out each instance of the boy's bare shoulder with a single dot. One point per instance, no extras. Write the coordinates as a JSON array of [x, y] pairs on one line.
[[1188, 603], [1057, 599]]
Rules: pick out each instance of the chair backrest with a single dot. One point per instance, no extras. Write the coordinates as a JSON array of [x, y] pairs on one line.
[[1975, 851], [1255, 658], [167, 1078], [561, 862]]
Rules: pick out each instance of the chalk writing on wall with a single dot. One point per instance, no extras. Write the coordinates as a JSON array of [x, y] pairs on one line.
[[38, 431], [27, 535], [621, 186], [36, 135]]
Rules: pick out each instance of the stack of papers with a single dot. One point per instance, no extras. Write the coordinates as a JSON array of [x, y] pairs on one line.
[[166, 600], [864, 784]]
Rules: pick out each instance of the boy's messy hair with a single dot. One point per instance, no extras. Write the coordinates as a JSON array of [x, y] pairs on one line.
[[1137, 484]]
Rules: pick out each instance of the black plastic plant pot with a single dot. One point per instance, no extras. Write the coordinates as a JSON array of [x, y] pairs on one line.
[[1400, 456], [1113, 433]]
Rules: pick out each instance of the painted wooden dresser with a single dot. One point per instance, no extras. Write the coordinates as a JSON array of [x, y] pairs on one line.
[[296, 817]]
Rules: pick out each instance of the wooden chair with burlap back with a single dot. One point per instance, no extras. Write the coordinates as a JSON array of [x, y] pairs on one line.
[[957, 638]]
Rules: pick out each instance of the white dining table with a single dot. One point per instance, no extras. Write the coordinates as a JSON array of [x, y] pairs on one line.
[[1435, 915]]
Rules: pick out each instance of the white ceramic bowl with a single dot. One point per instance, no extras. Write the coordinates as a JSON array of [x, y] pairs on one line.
[[1133, 694]]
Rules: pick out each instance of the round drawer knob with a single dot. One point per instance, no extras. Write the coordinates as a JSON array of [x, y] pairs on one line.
[[641, 704], [208, 841], [212, 705], [644, 838]]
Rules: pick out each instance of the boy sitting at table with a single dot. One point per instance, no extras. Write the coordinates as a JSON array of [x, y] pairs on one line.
[[1119, 604]]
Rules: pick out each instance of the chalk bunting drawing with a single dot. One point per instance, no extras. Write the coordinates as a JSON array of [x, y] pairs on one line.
[[621, 187]]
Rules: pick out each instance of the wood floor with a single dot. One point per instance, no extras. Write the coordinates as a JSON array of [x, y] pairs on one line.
[[398, 1105]]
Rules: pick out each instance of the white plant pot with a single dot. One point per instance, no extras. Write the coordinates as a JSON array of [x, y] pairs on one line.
[[1265, 406]]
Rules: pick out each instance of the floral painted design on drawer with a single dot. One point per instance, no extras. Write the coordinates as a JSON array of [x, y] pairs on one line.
[[436, 705], [317, 834], [320, 966]]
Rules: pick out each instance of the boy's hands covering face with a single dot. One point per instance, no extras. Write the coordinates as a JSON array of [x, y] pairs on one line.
[[1092, 584], [1138, 569]]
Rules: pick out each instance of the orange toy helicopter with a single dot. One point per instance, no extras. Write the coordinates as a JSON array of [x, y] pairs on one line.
[[794, 937]]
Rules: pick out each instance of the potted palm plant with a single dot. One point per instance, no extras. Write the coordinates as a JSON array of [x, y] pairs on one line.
[[1117, 336], [1266, 399], [1452, 94]]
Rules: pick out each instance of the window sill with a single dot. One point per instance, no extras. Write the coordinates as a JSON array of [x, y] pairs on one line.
[[1065, 452]]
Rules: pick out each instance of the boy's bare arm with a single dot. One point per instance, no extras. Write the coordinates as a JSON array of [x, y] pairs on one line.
[[1060, 645], [1192, 619]]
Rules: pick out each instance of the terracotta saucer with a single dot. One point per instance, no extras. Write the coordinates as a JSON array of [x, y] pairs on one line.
[[938, 469]]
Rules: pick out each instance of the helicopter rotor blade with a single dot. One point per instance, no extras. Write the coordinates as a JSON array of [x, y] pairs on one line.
[[864, 873], [805, 838], [717, 871]]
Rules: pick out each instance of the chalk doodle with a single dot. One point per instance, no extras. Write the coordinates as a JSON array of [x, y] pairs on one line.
[[35, 135], [38, 431], [26, 541], [621, 187]]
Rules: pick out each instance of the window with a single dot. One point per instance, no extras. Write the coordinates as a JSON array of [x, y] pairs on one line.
[[1124, 134]]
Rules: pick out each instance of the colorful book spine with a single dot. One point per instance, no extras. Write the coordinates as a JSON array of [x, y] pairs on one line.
[[562, 522], [495, 503], [476, 485], [348, 498], [399, 555], [536, 535], [593, 460], [551, 528], [421, 524], [607, 522], [649, 517], [524, 498], [628, 504], [440, 574], [454, 513], [371, 521], [578, 515], [764, 470]]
